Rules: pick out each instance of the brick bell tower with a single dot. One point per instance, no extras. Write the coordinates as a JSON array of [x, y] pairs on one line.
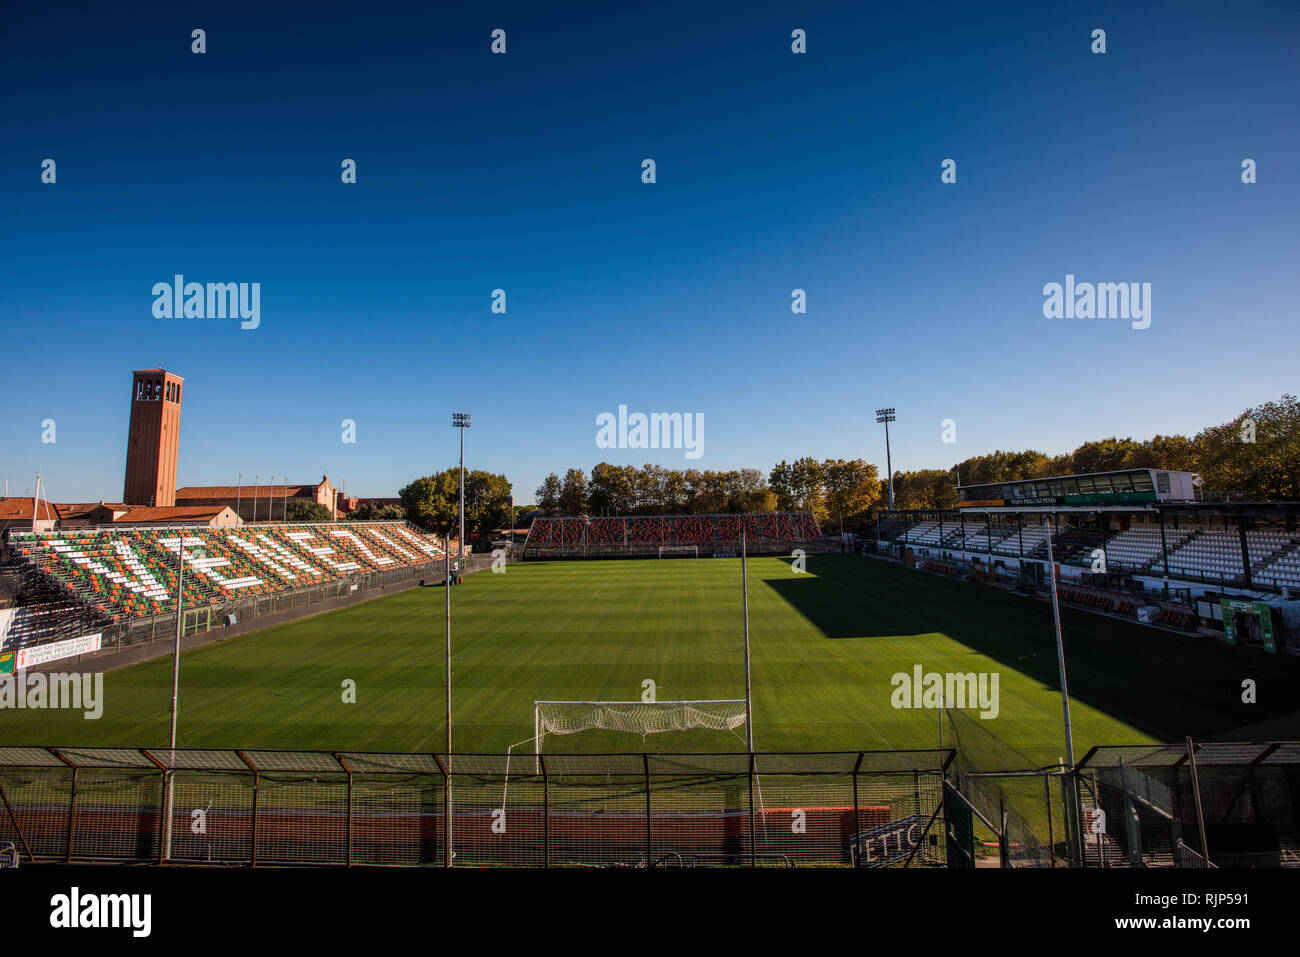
[[153, 438]]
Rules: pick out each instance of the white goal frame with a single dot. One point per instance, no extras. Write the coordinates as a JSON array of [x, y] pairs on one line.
[[692, 550], [539, 734]]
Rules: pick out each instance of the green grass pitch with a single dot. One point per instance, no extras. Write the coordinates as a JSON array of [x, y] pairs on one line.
[[825, 645]]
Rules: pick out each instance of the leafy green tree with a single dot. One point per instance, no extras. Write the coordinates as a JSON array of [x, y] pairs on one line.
[[749, 493], [375, 512], [487, 501], [305, 510], [807, 479], [781, 481], [432, 502], [548, 495], [611, 490], [850, 487], [573, 493]]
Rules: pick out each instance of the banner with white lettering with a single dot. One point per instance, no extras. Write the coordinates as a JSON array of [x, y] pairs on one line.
[[56, 650]]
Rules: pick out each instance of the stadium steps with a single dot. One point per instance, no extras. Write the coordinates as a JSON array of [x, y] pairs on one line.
[[1109, 853], [1290, 549]]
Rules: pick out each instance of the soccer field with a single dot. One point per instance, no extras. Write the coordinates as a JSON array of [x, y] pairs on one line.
[[825, 646]]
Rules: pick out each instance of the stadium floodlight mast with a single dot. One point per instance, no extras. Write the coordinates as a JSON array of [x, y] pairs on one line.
[[886, 416], [446, 584], [461, 420]]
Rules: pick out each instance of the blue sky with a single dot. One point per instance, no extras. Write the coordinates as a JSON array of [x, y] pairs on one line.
[[523, 172]]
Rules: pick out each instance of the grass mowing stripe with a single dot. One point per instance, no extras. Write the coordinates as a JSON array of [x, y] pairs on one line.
[[825, 647]]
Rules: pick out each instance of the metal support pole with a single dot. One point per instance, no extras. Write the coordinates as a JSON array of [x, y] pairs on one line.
[[753, 842], [546, 815], [257, 801], [1196, 793], [744, 588], [1047, 795], [446, 810], [176, 684], [857, 825], [14, 821], [72, 816], [645, 763], [1004, 849], [1073, 826], [889, 464], [460, 545], [1245, 551]]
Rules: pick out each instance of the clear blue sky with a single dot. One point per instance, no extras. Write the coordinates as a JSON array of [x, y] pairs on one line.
[[523, 172]]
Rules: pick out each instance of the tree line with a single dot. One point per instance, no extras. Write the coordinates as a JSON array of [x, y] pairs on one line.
[[1252, 457], [837, 490]]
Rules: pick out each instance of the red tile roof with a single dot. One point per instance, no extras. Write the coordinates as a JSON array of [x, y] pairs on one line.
[[162, 514], [241, 491], [20, 509]]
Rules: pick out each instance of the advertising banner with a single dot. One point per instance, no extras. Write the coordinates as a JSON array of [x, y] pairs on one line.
[[56, 650]]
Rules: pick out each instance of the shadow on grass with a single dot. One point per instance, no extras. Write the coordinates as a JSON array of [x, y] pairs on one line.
[[1163, 684]]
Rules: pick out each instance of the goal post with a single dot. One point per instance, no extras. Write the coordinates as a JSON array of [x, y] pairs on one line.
[[679, 551], [634, 717]]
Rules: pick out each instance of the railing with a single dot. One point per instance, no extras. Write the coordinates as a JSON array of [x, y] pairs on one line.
[[343, 808]]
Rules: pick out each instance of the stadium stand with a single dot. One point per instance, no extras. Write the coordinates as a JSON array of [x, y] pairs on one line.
[[646, 534], [1212, 553], [121, 574], [1196, 553]]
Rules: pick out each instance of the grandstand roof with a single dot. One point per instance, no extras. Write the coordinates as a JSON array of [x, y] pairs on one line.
[[20, 509]]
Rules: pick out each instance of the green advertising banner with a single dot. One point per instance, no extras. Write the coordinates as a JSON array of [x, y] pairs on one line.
[[7, 663], [1232, 607]]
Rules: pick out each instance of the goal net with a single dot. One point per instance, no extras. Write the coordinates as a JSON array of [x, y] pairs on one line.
[[679, 551], [634, 717]]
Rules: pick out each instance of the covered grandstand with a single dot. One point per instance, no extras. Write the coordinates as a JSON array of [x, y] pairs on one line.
[[1129, 539], [74, 580], [580, 536]]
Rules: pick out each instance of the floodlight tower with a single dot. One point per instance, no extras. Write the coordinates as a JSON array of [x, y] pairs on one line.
[[461, 420], [886, 416]]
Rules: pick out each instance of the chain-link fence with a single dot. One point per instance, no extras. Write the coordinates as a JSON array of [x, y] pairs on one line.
[[1199, 804], [346, 808]]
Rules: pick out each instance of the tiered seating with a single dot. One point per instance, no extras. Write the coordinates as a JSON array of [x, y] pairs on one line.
[[923, 533], [132, 573], [1283, 570], [1035, 539], [1075, 546], [1275, 556], [1139, 547], [1213, 553], [33, 624], [978, 540], [576, 534], [1005, 536]]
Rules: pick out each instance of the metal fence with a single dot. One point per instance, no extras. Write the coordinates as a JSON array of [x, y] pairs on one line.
[[1199, 804], [253, 807]]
